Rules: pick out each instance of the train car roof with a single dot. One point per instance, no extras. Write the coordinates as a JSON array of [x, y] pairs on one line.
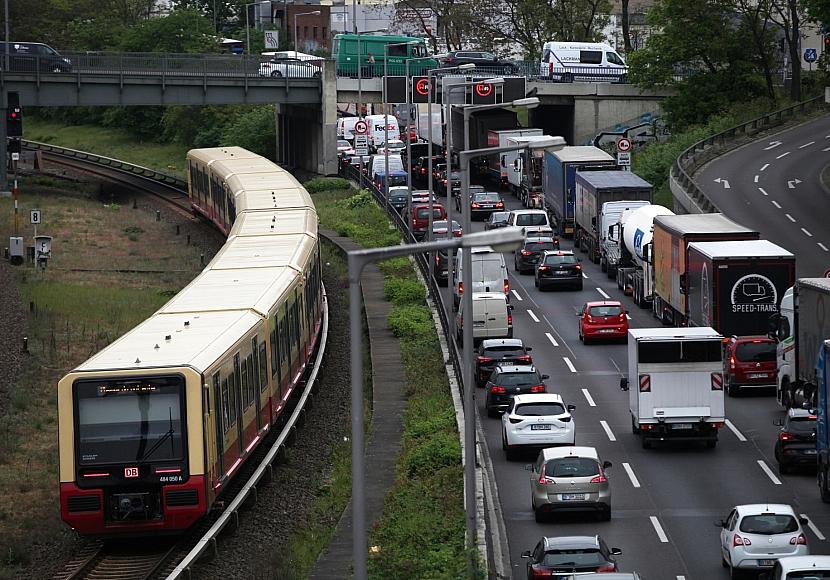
[[271, 199], [234, 289], [214, 154], [195, 339], [247, 165], [270, 222], [244, 252]]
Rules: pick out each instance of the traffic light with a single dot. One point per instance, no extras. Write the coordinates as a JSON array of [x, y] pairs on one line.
[[827, 43], [14, 116], [14, 146]]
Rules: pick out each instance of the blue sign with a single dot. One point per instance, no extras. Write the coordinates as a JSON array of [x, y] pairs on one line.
[[810, 54]]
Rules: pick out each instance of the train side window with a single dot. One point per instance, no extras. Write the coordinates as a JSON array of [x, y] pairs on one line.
[[245, 392], [263, 366], [237, 385], [296, 308], [216, 389], [275, 356], [251, 378], [284, 338], [226, 415]]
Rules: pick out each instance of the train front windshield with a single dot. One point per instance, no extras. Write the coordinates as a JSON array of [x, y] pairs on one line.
[[130, 421]]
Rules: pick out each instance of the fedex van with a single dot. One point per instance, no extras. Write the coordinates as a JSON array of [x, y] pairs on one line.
[[582, 61], [345, 127], [376, 129]]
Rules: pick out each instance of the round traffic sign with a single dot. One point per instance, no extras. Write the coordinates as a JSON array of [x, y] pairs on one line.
[[422, 86], [624, 145], [484, 89], [361, 128]]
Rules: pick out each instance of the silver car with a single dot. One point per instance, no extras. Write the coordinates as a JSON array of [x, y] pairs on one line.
[[566, 479]]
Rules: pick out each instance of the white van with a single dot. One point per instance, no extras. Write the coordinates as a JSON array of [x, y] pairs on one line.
[[583, 61], [491, 317], [489, 273], [377, 132], [533, 221], [345, 127], [378, 163]]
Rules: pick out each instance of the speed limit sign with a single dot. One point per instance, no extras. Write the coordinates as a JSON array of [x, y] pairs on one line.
[[624, 145], [361, 128]]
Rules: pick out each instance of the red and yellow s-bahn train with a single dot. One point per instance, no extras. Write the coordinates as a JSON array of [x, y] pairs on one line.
[[154, 426]]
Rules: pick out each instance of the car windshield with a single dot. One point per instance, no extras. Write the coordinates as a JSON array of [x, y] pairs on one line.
[[539, 246], [455, 176], [343, 143], [503, 350], [486, 196], [475, 189], [539, 409], [517, 379], [499, 217], [558, 259], [605, 311], [577, 557], [769, 524], [531, 219], [572, 467], [802, 425], [761, 351]]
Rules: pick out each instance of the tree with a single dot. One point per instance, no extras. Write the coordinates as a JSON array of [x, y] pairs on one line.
[[183, 30], [790, 14], [626, 27]]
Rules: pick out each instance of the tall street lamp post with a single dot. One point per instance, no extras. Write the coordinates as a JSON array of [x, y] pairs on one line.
[[503, 239], [468, 371], [296, 44]]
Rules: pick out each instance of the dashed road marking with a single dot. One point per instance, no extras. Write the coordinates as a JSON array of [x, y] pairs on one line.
[[776, 204], [603, 294], [813, 527], [756, 179], [569, 363], [734, 429], [634, 481], [783, 155], [807, 144], [826, 149], [610, 434], [533, 316], [822, 246], [628, 316], [551, 339], [765, 166], [769, 472], [588, 397], [806, 233], [516, 294], [584, 275], [761, 189], [789, 217], [659, 529]]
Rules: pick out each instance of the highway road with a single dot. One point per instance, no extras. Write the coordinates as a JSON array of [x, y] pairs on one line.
[[666, 499]]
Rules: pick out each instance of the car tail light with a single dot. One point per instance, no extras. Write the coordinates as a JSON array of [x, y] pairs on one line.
[[544, 268], [437, 258], [461, 287], [526, 252], [456, 233], [509, 320], [550, 69], [622, 317], [444, 181], [514, 420], [497, 390], [646, 426], [539, 573], [506, 286], [423, 170], [719, 425], [607, 568], [484, 359], [537, 389], [524, 358], [589, 318], [785, 436], [578, 267], [599, 478], [717, 382], [500, 204], [565, 419], [739, 541], [544, 480], [645, 383], [474, 205], [801, 540], [732, 362]]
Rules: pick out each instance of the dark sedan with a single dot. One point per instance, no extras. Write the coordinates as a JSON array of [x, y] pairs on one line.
[[441, 267], [558, 267], [487, 61], [494, 351], [796, 444], [559, 557], [525, 258], [496, 220], [483, 203], [509, 380]]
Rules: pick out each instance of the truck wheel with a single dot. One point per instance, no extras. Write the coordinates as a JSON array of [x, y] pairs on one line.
[[732, 389]]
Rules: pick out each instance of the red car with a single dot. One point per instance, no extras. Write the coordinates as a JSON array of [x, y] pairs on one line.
[[419, 218], [604, 319], [749, 362]]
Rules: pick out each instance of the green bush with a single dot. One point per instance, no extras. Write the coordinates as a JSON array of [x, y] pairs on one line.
[[400, 267], [319, 184], [401, 292], [358, 201], [410, 321]]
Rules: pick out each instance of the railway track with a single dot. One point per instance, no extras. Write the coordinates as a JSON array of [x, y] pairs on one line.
[[121, 560]]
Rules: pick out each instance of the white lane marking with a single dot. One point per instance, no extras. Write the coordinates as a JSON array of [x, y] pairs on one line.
[[761, 189], [806, 233], [634, 481], [551, 339], [603, 294], [734, 429], [533, 316], [659, 529], [628, 316], [516, 294], [569, 363], [807, 144], [681, 578], [822, 246], [813, 527], [826, 149], [584, 275], [769, 472], [756, 179], [783, 155], [773, 145], [776, 204], [589, 398], [789, 217], [765, 166], [610, 434]]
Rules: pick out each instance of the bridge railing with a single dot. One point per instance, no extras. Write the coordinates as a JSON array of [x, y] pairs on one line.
[[700, 153]]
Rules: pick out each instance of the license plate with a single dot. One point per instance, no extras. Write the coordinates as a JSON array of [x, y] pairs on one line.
[[540, 427], [561, 272], [758, 375], [681, 425], [606, 330], [573, 496], [809, 452], [766, 562]]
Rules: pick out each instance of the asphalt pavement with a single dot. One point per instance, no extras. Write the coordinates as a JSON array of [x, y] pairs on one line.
[[666, 500]]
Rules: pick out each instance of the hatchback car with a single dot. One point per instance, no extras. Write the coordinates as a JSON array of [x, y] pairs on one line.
[[422, 196], [508, 380], [399, 197], [754, 536], [749, 363], [601, 320], [496, 220], [558, 268], [561, 556], [525, 258], [419, 218], [482, 204], [799, 568], [495, 351], [536, 421], [568, 479], [441, 227], [796, 443]]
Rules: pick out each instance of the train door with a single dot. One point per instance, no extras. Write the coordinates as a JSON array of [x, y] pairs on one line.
[[264, 400], [286, 372], [237, 395], [213, 429], [276, 373], [253, 379]]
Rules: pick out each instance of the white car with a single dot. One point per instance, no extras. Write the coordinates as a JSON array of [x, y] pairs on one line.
[[291, 68], [395, 146], [754, 536], [800, 568], [537, 420]]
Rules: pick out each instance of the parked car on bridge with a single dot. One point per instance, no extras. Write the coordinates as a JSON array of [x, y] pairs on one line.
[[487, 61], [290, 68], [34, 57]]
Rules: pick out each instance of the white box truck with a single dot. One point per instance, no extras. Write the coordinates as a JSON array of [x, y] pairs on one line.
[[675, 384], [524, 169]]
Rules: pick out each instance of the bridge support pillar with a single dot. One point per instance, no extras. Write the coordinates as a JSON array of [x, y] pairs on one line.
[[326, 142]]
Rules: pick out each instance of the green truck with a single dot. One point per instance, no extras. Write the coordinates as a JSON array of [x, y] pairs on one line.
[[351, 49]]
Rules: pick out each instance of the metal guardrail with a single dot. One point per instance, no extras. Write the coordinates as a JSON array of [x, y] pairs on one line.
[[138, 170], [695, 156]]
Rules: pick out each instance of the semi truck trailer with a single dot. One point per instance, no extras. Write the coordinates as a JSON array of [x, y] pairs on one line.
[[635, 263]]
